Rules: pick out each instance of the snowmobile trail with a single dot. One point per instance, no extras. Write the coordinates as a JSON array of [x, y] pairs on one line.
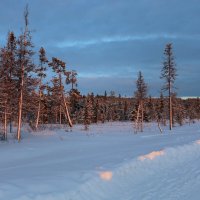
[[165, 174], [108, 163]]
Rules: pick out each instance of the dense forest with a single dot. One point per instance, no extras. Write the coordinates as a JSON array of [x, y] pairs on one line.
[[26, 96]]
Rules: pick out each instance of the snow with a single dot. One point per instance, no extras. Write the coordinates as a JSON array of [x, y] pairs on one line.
[[107, 162]]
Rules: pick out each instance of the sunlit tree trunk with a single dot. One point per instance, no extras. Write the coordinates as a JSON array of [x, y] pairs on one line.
[[20, 105], [66, 111], [39, 105]]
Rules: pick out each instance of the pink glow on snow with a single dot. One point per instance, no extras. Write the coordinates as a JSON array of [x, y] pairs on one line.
[[106, 175], [152, 155], [197, 142]]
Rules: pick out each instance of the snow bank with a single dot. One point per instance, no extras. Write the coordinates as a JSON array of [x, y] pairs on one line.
[[108, 163], [157, 175]]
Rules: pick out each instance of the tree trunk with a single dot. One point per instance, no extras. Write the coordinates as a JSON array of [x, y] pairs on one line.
[[137, 119], [19, 116], [60, 115], [142, 115], [5, 121], [38, 112], [170, 95], [38, 116], [20, 106], [66, 111], [158, 121], [11, 123], [170, 112]]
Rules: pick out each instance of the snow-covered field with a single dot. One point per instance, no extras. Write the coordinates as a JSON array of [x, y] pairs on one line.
[[109, 162]]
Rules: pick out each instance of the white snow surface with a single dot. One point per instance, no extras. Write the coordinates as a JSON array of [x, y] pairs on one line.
[[108, 162]]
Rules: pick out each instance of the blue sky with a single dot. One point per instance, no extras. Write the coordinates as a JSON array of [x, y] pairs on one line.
[[109, 41]]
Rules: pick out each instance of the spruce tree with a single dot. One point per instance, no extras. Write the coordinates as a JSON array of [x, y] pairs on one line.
[[169, 74], [41, 74], [140, 95], [88, 112]]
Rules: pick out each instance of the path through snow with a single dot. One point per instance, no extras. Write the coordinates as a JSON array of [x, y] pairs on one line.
[[111, 163]]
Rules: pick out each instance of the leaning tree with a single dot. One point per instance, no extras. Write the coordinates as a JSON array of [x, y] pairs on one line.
[[59, 67]]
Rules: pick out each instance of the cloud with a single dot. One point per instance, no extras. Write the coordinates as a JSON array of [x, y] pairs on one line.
[[106, 39], [85, 43]]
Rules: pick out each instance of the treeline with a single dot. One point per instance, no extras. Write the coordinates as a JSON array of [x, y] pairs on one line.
[[100, 109], [26, 97]]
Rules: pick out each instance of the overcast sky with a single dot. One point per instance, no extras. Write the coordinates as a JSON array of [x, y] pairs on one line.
[[109, 41]]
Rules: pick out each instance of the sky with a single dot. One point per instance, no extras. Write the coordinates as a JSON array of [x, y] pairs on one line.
[[109, 41]]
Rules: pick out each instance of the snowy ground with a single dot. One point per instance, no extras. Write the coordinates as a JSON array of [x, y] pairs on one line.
[[109, 162]]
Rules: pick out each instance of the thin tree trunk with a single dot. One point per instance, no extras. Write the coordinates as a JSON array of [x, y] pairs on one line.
[[5, 121], [20, 115], [38, 112], [11, 123], [38, 116], [142, 115], [158, 121], [60, 115], [20, 106], [66, 111], [170, 98], [137, 119], [170, 112]]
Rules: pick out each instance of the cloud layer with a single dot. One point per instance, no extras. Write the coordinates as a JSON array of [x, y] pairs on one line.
[[109, 41]]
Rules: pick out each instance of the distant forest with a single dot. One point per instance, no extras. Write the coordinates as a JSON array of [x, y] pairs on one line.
[[25, 96]]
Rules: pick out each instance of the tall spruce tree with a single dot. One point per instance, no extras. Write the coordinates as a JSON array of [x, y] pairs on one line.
[[41, 74], [140, 95], [11, 49], [169, 74]]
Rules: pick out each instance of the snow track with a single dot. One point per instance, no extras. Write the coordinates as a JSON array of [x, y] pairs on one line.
[[172, 173], [168, 175], [107, 163]]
